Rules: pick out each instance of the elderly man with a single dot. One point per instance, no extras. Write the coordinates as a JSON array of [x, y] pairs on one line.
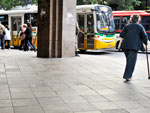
[[133, 36]]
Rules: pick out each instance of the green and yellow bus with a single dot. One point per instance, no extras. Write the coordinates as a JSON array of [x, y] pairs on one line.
[[96, 26]]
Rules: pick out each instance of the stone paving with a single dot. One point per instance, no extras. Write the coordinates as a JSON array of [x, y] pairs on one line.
[[85, 84]]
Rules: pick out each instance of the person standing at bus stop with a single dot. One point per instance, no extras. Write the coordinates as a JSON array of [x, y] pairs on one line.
[[133, 35], [7, 37], [2, 33]]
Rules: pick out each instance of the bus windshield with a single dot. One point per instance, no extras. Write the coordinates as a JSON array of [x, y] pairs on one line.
[[104, 18]]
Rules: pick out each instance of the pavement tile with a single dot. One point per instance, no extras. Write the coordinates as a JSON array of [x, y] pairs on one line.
[[138, 110], [25, 102], [128, 104], [82, 107], [6, 110], [5, 103], [105, 105], [51, 100], [57, 108], [20, 90], [145, 103], [116, 97], [95, 98], [115, 111], [87, 92], [45, 94], [67, 92], [106, 92], [28, 109], [73, 99], [89, 112], [23, 95], [5, 96]]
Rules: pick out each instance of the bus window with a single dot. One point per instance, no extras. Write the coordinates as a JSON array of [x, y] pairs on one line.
[[81, 22], [90, 23], [101, 22], [32, 18], [4, 19], [124, 21], [145, 21], [117, 22]]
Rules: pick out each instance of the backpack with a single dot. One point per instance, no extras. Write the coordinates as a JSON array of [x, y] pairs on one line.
[[1, 30]]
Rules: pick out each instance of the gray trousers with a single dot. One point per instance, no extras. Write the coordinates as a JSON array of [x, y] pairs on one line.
[[131, 56]]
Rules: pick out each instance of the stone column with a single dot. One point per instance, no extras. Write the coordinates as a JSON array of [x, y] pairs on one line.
[[56, 28]]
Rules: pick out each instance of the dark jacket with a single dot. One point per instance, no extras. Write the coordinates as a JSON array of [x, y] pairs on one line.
[[28, 32], [133, 36]]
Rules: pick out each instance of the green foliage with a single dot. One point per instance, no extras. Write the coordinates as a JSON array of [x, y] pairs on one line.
[[81, 2], [9, 4], [127, 4], [121, 4]]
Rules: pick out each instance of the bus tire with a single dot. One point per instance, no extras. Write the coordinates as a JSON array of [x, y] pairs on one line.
[[82, 51]]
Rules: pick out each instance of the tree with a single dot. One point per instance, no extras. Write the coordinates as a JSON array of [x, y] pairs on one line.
[[81, 2], [124, 4], [115, 4], [9, 4]]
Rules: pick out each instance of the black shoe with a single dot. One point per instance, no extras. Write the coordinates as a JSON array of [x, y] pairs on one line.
[[128, 79], [76, 53]]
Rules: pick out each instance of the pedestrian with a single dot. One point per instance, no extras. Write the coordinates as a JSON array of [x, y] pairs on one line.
[[133, 35], [22, 36], [2, 33], [76, 39], [28, 38], [7, 37]]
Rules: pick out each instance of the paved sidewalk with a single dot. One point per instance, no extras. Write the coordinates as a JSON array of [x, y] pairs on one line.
[[85, 84]]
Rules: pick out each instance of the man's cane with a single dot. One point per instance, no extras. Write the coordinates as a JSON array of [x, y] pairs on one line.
[[147, 62]]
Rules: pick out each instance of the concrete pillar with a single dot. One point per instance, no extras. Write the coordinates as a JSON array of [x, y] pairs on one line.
[[56, 28]]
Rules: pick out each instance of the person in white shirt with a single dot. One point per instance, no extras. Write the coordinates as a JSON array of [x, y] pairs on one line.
[[7, 37]]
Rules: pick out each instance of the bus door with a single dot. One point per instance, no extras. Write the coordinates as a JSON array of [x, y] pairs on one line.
[[86, 36], [81, 24], [90, 31], [16, 23]]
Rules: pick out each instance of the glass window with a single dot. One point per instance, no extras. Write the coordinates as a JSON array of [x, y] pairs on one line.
[[145, 21], [81, 22], [101, 22], [105, 21], [4, 19], [90, 23], [31, 17], [124, 21], [117, 22]]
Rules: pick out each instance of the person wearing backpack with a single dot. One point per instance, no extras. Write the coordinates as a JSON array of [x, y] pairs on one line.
[[2, 33]]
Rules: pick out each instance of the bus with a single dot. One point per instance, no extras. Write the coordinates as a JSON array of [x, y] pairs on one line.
[[97, 28], [95, 21], [16, 17], [122, 17]]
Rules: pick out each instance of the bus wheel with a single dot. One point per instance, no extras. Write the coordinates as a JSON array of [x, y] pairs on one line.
[[82, 51]]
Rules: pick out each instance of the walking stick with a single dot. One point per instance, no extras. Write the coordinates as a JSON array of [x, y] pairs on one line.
[[147, 62]]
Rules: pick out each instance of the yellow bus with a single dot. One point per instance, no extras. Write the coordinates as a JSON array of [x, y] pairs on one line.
[[96, 26], [16, 17]]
